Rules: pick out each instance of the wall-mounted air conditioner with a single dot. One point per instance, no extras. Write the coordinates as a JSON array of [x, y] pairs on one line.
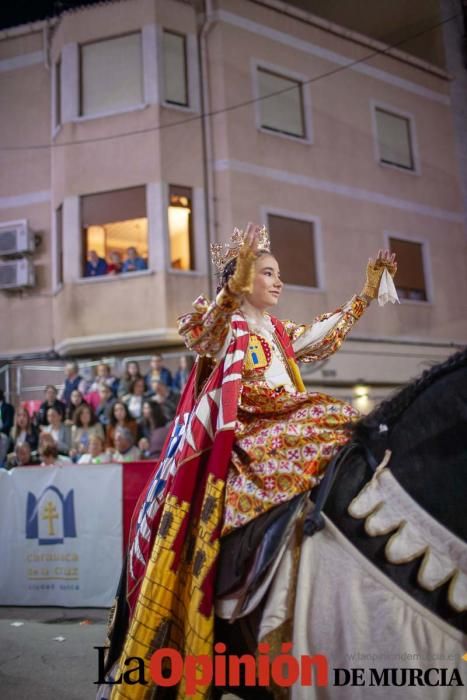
[[16, 274], [15, 237]]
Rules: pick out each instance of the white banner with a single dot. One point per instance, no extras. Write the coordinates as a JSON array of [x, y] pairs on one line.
[[60, 535]]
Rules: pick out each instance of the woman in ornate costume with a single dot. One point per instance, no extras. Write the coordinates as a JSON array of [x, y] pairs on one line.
[[246, 437]]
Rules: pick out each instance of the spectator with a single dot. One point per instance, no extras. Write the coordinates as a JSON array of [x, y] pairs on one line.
[[59, 431], [132, 372], [24, 431], [51, 401], [154, 428], [120, 418], [73, 380], [158, 371], [135, 399], [50, 455], [97, 453], [4, 447], [103, 377], [7, 415], [76, 400], [22, 456], [183, 372], [166, 397], [126, 450], [105, 406], [133, 262], [115, 265], [95, 266], [84, 427]]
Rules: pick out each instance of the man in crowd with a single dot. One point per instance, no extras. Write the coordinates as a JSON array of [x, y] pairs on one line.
[[21, 457], [95, 266], [7, 415], [73, 380], [158, 371], [125, 443], [133, 262]]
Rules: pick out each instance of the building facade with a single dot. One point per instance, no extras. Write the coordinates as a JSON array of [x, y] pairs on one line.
[[159, 125]]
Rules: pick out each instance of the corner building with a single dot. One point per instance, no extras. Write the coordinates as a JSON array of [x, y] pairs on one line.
[[162, 124]]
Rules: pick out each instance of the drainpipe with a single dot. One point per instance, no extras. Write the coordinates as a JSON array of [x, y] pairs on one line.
[[208, 164]]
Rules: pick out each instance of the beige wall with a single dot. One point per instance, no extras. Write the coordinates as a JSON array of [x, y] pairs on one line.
[[334, 180]]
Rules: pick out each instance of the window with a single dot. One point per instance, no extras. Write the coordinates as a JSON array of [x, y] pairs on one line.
[[287, 237], [394, 139], [175, 68], [58, 94], [59, 244], [181, 228], [112, 223], [283, 110], [111, 75], [410, 279]]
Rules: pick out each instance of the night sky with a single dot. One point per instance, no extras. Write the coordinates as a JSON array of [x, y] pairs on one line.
[[14, 12]]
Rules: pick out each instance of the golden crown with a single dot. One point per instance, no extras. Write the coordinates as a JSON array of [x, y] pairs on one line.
[[223, 253]]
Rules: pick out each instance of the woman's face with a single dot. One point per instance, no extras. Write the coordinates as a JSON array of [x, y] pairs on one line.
[[86, 416], [267, 283], [138, 389], [53, 417], [119, 412], [133, 369], [23, 419], [146, 410], [76, 398]]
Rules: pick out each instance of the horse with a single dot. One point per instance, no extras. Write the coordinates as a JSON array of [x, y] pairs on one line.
[[372, 569]]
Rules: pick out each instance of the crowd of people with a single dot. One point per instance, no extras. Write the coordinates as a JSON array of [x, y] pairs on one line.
[[97, 266], [128, 421]]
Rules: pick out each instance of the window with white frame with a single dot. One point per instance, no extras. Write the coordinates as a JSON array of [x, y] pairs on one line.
[[58, 93], [59, 244], [111, 75], [395, 140], [175, 67], [180, 216], [410, 279], [287, 237], [115, 231], [281, 106]]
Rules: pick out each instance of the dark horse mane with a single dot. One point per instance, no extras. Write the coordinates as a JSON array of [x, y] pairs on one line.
[[425, 427], [389, 411]]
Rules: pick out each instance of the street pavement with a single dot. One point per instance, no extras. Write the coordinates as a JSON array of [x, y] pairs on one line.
[[50, 656], [34, 664]]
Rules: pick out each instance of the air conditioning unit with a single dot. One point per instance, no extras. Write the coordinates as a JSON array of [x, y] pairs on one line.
[[16, 274], [15, 237]]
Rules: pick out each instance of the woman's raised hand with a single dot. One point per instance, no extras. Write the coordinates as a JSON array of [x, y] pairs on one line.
[[241, 281], [374, 271]]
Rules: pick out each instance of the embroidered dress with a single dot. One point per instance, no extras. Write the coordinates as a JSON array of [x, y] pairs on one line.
[[284, 436]]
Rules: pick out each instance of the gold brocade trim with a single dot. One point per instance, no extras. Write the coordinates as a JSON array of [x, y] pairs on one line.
[[167, 613]]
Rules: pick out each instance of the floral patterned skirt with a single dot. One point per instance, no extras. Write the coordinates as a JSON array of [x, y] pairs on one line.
[[284, 441]]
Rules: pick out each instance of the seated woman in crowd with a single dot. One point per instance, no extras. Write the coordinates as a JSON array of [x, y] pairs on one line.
[[185, 364], [76, 400], [24, 430], [85, 426], [49, 452], [22, 456], [104, 408], [132, 372], [51, 401], [153, 428], [120, 418], [96, 453], [135, 398], [59, 432]]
